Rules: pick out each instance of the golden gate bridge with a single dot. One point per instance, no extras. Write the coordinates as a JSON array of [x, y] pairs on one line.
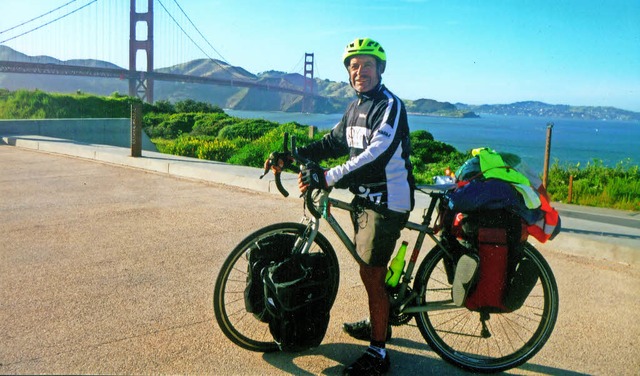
[[141, 44]]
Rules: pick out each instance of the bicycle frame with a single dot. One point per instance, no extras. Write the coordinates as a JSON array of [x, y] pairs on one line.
[[325, 203], [323, 210]]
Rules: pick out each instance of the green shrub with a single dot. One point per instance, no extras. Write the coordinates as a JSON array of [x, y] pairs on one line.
[[163, 145], [171, 126], [25, 104], [256, 152], [187, 146], [197, 147], [211, 124], [162, 107], [151, 121], [189, 105], [430, 157], [251, 129], [216, 150]]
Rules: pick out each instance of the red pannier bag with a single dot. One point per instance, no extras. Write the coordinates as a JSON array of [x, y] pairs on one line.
[[490, 288]]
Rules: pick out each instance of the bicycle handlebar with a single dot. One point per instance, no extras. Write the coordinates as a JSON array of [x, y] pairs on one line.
[[308, 199], [273, 159], [434, 190]]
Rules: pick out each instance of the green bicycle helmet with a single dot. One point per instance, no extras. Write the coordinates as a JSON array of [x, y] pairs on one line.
[[365, 46]]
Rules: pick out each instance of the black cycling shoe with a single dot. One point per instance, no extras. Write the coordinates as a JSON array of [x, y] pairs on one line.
[[369, 364], [362, 330]]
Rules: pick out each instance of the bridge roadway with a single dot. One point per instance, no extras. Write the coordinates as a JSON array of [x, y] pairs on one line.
[[73, 70], [108, 265]]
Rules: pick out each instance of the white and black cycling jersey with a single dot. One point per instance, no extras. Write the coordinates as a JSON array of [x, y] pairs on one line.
[[375, 132]]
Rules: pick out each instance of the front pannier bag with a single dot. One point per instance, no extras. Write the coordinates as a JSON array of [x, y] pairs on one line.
[[269, 251], [297, 293]]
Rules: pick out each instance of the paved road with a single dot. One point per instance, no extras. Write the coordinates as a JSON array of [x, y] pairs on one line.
[[110, 270]]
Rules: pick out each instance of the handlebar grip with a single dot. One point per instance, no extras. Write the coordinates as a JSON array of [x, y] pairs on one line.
[[279, 185]]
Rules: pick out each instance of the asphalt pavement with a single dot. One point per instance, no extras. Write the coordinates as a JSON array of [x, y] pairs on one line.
[[108, 266]]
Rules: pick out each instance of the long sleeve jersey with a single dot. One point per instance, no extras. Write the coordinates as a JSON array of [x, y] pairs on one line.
[[374, 131]]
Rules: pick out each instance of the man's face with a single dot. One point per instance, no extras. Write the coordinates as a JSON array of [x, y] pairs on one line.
[[363, 73]]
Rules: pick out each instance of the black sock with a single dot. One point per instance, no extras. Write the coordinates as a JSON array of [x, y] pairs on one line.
[[379, 344]]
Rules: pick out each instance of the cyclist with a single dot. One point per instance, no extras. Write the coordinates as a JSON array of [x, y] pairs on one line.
[[374, 132]]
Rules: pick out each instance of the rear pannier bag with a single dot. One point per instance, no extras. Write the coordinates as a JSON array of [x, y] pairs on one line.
[[505, 276], [522, 280], [298, 297], [493, 252], [269, 251]]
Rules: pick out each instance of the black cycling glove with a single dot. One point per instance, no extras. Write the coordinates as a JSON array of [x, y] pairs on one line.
[[312, 176]]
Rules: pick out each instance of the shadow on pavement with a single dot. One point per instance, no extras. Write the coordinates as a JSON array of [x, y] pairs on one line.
[[345, 354]]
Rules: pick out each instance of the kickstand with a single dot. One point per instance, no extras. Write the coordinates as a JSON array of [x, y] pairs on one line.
[[484, 317]]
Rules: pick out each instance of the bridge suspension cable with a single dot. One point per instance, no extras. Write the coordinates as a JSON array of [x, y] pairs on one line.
[[198, 30], [45, 24], [232, 72], [35, 18]]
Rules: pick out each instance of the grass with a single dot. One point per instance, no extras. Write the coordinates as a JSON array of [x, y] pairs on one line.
[[597, 185]]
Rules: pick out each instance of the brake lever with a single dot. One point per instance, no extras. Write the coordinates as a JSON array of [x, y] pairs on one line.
[[267, 167], [273, 159]]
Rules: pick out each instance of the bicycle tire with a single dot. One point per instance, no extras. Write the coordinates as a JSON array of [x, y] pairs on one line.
[[240, 326], [454, 332]]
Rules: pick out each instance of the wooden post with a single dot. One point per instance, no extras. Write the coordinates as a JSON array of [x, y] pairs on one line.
[[136, 129], [312, 131], [570, 195], [547, 152]]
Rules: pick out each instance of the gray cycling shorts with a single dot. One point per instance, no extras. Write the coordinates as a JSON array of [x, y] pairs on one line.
[[376, 235]]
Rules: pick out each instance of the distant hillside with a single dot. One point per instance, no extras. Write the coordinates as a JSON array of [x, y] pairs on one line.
[[540, 109], [434, 108], [62, 84], [334, 96]]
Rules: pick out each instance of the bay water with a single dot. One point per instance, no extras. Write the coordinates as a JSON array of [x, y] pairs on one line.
[[573, 141]]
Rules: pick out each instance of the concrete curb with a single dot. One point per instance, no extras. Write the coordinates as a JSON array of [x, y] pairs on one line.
[[620, 218]]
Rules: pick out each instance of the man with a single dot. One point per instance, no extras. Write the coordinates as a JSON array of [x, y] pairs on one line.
[[374, 132]]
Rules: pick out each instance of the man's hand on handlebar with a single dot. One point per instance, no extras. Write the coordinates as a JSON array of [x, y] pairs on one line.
[[278, 161], [311, 176]]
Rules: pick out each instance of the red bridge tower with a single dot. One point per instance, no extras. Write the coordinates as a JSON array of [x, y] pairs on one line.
[[307, 99], [141, 84]]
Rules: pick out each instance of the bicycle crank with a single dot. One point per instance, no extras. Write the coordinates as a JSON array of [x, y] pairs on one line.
[[396, 316]]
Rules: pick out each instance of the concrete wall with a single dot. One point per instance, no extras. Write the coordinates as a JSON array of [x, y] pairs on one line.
[[113, 132]]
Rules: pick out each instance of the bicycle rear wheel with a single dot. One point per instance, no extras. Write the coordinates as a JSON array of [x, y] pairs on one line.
[[504, 340], [240, 326]]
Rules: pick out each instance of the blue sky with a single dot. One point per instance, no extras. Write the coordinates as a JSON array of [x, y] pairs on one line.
[[577, 52]]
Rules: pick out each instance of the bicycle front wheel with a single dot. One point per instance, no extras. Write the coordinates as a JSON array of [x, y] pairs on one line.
[[483, 342], [240, 326]]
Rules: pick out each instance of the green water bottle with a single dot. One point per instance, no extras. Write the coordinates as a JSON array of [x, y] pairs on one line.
[[397, 266]]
